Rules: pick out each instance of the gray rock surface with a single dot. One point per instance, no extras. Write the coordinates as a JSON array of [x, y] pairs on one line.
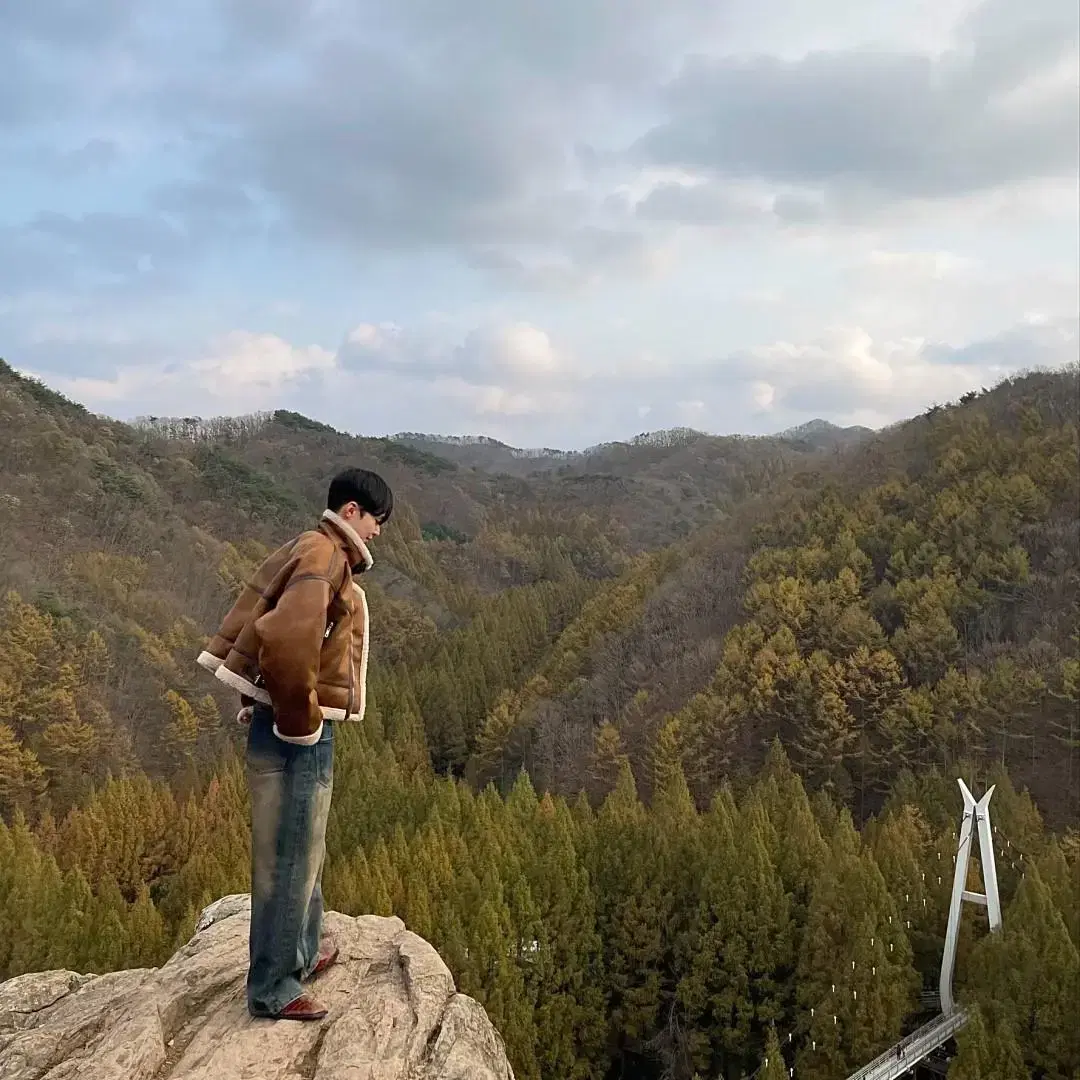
[[394, 1015]]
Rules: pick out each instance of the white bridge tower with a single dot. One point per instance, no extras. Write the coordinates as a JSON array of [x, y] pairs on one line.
[[976, 819]]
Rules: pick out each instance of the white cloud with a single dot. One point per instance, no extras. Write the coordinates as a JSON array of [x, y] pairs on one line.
[[691, 413], [103, 395], [485, 401], [370, 336], [509, 370], [846, 374], [243, 361], [947, 294], [240, 372], [846, 363], [766, 298], [763, 394], [935, 265], [520, 350]]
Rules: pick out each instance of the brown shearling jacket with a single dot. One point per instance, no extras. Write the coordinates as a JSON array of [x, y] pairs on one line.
[[297, 637]]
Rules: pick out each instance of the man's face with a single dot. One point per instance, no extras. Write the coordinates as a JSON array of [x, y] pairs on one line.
[[366, 525]]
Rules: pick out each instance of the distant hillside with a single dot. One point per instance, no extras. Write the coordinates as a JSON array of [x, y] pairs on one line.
[[820, 434], [658, 486], [123, 544], [602, 588], [485, 454], [491, 455], [947, 548]]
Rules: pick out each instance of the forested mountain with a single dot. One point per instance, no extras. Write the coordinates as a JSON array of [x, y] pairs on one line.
[[657, 487], [821, 433], [123, 544], [490, 455], [911, 602], [721, 690]]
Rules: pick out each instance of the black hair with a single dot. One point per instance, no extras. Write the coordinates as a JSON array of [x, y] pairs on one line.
[[365, 488]]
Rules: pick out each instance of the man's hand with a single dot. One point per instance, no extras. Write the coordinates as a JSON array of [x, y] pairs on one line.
[[245, 714]]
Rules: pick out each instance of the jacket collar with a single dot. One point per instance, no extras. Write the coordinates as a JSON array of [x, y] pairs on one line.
[[359, 554]]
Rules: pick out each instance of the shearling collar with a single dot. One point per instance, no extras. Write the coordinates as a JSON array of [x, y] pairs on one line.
[[361, 555]]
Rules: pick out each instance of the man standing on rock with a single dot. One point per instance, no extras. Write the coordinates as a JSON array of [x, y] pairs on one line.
[[295, 645]]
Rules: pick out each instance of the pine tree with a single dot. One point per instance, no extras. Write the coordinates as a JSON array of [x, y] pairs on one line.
[[972, 1061], [799, 847], [70, 938], [606, 761], [123, 834], [741, 946], [145, 930], [676, 843], [108, 946], [928, 642], [182, 732], [1063, 881], [493, 970], [565, 967], [772, 1064], [1034, 959], [846, 968], [22, 777], [492, 757], [903, 850], [34, 904], [985, 1050], [629, 916]]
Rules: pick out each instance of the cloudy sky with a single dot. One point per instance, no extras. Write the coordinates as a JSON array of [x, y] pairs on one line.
[[550, 221]]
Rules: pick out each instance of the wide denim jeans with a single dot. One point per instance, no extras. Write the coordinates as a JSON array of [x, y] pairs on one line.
[[291, 787]]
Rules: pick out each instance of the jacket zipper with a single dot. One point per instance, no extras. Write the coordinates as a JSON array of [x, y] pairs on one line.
[[352, 667], [352, 676]]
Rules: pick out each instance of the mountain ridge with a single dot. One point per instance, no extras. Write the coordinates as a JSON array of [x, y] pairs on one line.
[[661, 437]]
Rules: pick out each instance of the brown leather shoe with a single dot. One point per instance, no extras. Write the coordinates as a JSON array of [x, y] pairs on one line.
[[328, 957], [303, 1008]]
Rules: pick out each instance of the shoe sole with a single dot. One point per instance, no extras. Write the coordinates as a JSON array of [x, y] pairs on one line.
[[302, 1017]]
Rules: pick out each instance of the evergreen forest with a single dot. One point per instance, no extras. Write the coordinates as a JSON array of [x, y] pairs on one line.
[[663, 737]]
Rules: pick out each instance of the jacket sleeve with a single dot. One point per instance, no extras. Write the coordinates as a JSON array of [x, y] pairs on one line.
[[290, 638]]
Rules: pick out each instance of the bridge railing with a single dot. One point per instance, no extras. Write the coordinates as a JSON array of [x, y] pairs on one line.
[[915, 1047]]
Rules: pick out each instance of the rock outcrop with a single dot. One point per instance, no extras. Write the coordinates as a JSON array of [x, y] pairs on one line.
[[394, 1015]]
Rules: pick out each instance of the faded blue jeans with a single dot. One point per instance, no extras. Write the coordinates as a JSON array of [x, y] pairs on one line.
[[291, 787]]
